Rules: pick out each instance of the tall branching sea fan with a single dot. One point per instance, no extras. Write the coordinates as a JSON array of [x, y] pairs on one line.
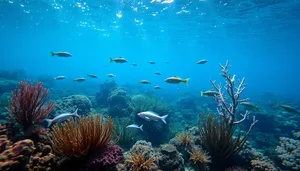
[[78, 138]]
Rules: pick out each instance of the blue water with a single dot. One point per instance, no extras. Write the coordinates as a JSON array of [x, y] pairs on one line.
[[260, 38]]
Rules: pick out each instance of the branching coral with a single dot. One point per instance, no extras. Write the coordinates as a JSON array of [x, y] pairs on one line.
[[73, 139], [27, 105]]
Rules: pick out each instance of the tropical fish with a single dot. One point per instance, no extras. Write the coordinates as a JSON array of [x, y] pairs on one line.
[[92, 75], [111, 75], [249, 106], [60, 78], [61, 54], [289, 108], [209, 93], [61, 117], [135, 126], [151, 62], [149, 115], [177, 80], [118, 60], [157, 73], [79, 79], [145, 82], [201, 61], [156, 87], [134, 64]]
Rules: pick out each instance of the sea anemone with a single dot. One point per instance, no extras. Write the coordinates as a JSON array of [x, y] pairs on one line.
[[139, 162], [200, 159], [184, 139]]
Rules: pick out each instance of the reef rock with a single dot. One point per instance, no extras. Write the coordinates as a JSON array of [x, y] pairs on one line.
[[71, 103]]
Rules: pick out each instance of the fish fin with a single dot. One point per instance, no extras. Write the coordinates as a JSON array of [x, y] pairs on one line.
[[52, 53], [163, 118], [201, 93], [186, 81], [111, 60], [148, 119], [141, 127], [49, 122], [75, 113]]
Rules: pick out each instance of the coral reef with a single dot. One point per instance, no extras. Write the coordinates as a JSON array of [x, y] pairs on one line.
[[105, 89], [119, 103], [27, 105], [73, 102], [170, 159], [7, 85], [289, 152]]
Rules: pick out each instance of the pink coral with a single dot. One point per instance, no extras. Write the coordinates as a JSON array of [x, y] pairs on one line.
[[109, 158]]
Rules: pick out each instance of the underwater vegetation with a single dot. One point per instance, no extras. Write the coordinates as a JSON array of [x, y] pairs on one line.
[[108, 132]]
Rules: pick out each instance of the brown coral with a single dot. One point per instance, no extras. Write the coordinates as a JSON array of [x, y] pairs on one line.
[[200, 159], [75, 139], [184, 139], [139, 162]]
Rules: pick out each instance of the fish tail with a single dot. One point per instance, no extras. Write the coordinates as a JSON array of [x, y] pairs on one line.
[[186, 81], [111, 60], [141, 127], [49, 122], [201, 93], [75, 113], [52, 53], [163, 118]]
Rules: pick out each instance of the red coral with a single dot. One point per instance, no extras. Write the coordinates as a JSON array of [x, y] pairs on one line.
[[27, 104], [109, 158]]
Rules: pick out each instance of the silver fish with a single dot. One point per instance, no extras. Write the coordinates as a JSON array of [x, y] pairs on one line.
[[61, 54], [135, 126], [61, 117], [149, 115]]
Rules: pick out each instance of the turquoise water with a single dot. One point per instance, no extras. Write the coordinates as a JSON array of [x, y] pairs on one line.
[[259, 38]]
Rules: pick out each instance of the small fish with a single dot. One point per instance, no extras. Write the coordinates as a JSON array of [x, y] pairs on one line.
[[92, 75], [156, 87], [118, 60], [289, 108], [166, 62], [145, 82], [209, 93], [157, 73], [176, 80], [201, 61], [149, 115], [249, 106], [60, 78], [151, 62], [79, 79], [111, 75], [61, 54], [135, 126], [61, 117], [134, 64]]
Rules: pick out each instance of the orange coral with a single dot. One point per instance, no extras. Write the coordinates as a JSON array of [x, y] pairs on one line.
[[184, 139], [139, 162], [75, 139]]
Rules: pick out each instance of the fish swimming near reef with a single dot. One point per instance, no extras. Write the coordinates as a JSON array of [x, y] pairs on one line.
[[79, 79], [118, 60], [135, 126], [60, 78], [201, 61], [149, 115], [177, 80], [209, 93], [61, 54], [249, 106], [61, 118], [289, 109], [145, 82], [92, 75]]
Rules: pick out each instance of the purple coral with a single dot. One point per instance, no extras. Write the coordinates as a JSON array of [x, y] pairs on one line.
[[107, 159]]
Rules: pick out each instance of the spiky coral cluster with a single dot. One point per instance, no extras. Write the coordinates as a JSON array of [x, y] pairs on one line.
[[200, 159], [76, 139]]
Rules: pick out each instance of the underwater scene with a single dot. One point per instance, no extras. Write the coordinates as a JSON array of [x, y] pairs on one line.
[[149, 85]]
